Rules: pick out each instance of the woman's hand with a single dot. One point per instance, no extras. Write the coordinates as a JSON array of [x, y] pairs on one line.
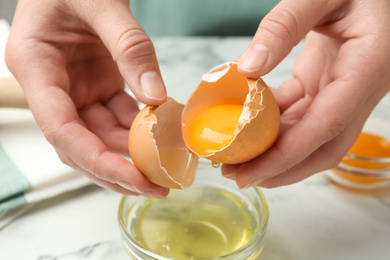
[[338, 79], [71, 57]]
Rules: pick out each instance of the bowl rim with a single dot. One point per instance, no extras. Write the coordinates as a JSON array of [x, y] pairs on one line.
[[368, 159], [261, 227]]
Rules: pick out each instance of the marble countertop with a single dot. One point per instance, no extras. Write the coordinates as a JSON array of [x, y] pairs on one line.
[[313, 219]]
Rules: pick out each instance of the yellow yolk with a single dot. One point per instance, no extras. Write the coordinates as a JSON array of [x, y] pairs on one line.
[[369, 146], [213, 128]]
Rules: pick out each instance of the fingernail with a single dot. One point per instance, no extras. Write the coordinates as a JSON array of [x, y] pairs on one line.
[[230, 176], [255, 58], [230, 170], [251, 184], [156, 192], [247, 186], [153, 194], [152, 86], [128, 186]]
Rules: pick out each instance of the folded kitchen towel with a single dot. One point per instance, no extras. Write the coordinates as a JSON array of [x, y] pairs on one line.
[[30, 170]]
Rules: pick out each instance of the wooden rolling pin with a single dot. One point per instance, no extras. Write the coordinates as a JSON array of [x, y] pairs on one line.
[[11, 94]]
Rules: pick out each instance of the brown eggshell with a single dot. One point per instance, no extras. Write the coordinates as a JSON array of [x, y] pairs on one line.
[[259, 124], [157, 148]]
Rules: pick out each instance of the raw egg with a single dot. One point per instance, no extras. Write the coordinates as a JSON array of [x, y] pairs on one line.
[[213, 128], [370, 146], [367, 161], [228, 119]]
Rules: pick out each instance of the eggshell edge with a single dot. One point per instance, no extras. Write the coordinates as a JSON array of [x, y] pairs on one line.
[[142, 147], [264, 119]]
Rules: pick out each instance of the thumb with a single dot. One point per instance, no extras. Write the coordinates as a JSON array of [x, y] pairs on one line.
[[131, 48], [280, 30]]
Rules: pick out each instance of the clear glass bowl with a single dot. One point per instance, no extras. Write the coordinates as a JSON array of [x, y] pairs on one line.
[[377, 177], [363, 173], [211, 232]]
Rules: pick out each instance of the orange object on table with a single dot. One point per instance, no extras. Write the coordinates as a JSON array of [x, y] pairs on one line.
[[368, 156]]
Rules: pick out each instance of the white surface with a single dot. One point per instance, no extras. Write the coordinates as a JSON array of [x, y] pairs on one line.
[[28, 149], [4, 30], [19, 131], [16, 123], [313, 219]]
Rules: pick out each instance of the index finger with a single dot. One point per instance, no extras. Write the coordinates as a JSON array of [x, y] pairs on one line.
[[58, 118]]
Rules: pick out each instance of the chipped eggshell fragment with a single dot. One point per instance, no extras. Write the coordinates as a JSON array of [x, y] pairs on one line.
[[157, 148], [259, 123]]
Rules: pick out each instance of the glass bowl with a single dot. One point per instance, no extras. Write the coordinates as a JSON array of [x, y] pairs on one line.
[[367, 173], [360, 178], [212, 219]]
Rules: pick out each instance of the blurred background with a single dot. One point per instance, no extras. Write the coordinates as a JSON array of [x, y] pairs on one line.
[[7, 9], [184, 18]]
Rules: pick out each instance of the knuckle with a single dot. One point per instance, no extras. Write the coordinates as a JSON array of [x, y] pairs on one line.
[[329, 128], [50, 133], [93, 166], [91, 163], [282, 23], [133, 44], [56, 134], [334, 129], [65, 159], [286, 161]]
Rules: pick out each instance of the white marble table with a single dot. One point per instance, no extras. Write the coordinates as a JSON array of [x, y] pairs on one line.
[[313, 219]]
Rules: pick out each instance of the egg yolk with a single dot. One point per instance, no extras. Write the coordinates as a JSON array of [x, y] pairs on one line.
[[212, 129], [369, 146]]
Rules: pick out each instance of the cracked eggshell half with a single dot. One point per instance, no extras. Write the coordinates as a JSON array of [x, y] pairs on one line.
[[157, 147], [259, 123]]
